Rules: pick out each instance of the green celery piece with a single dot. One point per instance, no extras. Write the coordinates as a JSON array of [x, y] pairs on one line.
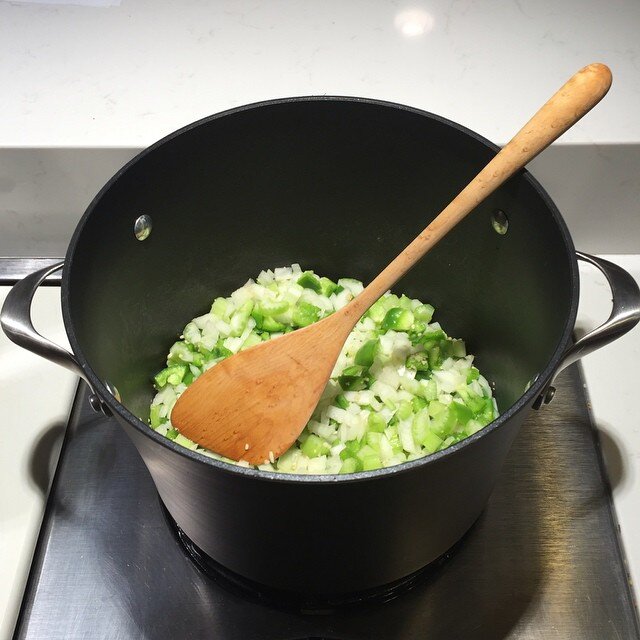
[[431, 442], [378, 310], [252, 339], [188, 377], [350, 465], [220, 308], [309, 280], [398, 319], [271, 325], [350, 450], [271, 307], [369, 463], [172, 375], [418, 404], [221, 351], [327, 287], [376, 423], [443, 423], [154, 416], [418, 361], [424, 312], [172, 433], [373, 440], [436, 407], [448, 441], [367, 353], [394, 439], [258, 317], [472, 374], [430, 390], [365, 451], [462, 412], [404, 302], [341, 401], [339, 289], [405, 410], [314, 446], [420, 426], [240, 318], [305, 314], [435, 335], [185, 442]]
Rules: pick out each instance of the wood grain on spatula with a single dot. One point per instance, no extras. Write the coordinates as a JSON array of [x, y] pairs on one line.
[[254, 404]]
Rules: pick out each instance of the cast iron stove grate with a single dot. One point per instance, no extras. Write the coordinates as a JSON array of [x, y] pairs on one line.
[[543, 561]]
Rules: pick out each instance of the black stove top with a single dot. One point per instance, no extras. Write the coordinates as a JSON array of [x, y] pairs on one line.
[[544, 560]]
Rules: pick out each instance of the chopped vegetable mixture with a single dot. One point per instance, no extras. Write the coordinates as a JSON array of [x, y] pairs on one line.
[[401, 388]]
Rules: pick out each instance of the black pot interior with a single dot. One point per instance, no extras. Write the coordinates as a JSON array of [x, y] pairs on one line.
[[339, 186]]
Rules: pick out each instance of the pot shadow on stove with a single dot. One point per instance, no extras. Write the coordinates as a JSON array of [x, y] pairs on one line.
[[43, 457]]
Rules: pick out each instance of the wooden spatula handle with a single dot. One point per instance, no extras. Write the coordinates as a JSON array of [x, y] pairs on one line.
[[574, 99]]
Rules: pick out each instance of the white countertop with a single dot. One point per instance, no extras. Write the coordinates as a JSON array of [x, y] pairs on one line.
[[125, 74], [87, 83]]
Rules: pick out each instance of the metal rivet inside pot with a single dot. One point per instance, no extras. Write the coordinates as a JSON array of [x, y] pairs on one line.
[[142, 227], [500, 222]]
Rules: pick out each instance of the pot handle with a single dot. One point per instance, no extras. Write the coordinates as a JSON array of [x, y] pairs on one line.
[[625, 315], [15, 319]]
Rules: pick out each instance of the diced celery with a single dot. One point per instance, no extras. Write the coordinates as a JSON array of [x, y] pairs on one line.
[[472, 374], [420, 426], [376, 423], [436, 407], [314, 446], [424, 312], [350, 450], [305, 314], [271, 307], [373, 440], [369, 463], [154, 416], [309, 280], [430, 391], [418, 404], [404, 302], [462, 412], [350, 465], [405, 409], [220, 308], [431, 442], [185, 442], [252, 340], [240, 318], [367, 353], [444, 422], [172, 433], [271, 325]]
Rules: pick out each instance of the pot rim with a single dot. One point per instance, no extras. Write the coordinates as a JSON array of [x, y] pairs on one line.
[[523, 401]]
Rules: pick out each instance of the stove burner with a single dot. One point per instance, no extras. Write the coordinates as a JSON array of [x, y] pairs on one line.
[[301, 602]]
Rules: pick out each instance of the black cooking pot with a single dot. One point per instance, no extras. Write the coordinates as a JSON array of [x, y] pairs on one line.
[[339, 185]]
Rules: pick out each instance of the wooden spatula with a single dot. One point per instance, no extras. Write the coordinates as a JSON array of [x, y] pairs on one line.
[[253, 405]]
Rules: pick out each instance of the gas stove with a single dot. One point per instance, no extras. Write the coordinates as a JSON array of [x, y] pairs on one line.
[[543, 561]]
